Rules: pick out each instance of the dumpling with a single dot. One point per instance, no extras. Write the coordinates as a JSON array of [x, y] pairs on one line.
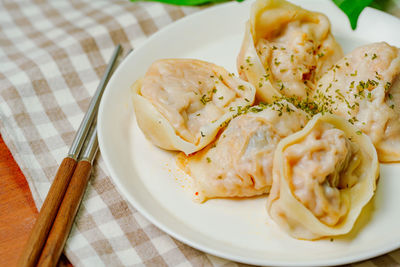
[[285, 49], [181, 104], [239, 163], [323, 176], [364, 88]]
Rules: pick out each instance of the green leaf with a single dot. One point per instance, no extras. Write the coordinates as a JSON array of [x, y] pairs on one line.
[[353, 9], [187, 2], [380, 4]]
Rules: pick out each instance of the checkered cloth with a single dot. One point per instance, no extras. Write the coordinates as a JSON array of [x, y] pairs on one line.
[[52, 56]]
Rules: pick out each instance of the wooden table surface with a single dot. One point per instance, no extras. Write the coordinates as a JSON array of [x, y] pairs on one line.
[[17, 210]]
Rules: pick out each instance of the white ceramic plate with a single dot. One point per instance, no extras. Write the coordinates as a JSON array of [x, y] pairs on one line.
[[234, 229]]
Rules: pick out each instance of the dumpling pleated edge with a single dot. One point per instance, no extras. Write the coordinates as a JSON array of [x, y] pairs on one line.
[[250, 68], [159, 131], [249, 65], [282, 200]]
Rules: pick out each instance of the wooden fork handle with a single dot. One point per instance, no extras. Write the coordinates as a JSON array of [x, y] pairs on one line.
[[66, 214], [47, 213]]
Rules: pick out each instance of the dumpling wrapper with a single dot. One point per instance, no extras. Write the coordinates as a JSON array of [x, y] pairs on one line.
[[181, 104], [323, 176], [239, 163], [286, 49], [364, 88]]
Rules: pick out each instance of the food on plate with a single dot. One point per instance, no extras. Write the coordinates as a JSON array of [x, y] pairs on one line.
[[239, 162], [323, 176], [321, 173], [285, 49], [364, 88], [181, 104]]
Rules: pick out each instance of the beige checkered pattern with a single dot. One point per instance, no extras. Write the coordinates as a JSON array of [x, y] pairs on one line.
[[52, 56]]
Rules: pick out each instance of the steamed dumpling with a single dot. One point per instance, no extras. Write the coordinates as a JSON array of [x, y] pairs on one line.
[[285, 49], [364, 88], [239, 163], [322, 178], [181, 104]]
